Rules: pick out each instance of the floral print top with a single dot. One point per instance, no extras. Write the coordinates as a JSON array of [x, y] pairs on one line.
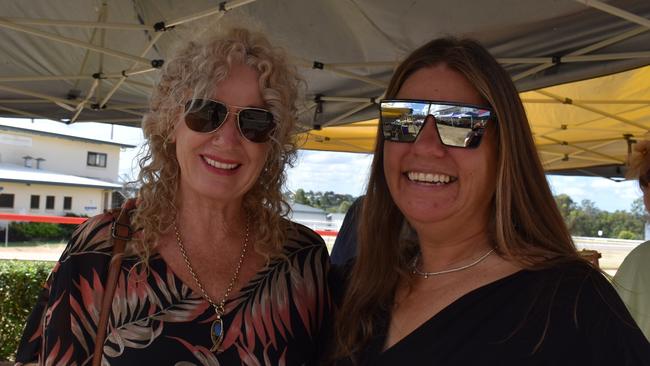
[[276, 319]]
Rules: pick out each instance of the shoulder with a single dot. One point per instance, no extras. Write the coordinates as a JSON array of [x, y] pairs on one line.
[[303, 237], [584, 294], [577, 279], [93, 235], [638, 255]]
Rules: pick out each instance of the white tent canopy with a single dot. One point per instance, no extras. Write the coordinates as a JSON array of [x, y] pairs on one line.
[[81, 60]]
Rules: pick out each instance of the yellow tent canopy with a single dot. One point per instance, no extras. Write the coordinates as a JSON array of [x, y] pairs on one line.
[[576, 125]]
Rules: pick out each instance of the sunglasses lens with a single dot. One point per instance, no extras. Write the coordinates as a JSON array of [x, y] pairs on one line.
[[256, 124], [460, 126], [457, 125], [401, 121], [204, 115]]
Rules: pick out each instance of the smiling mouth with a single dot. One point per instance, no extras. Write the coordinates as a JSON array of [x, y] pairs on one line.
[[430, 178], [219, 165]]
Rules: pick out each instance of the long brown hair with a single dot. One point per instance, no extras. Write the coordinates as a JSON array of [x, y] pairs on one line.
[[526, 225]]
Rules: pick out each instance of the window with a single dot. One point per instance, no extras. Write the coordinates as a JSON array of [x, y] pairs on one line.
[[6, 200], [35, 202], [67, 203], [96, 159], [49, 203]]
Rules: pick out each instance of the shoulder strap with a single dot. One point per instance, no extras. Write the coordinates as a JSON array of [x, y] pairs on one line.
[[121, 233]]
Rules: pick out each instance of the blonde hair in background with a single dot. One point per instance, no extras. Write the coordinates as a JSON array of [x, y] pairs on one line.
[[526, 224], [639, 163], [193, 70]]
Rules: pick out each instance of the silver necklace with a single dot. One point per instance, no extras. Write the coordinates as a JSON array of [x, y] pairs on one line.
[[216, 330], [416, 271]]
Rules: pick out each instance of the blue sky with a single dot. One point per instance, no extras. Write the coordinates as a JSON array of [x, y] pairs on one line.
[[341, 172]]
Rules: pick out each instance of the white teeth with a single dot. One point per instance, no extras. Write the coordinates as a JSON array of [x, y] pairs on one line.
[[429, 177], [219, 165]]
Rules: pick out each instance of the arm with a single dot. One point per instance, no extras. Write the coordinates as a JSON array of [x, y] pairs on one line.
[[611, 335], [60, 329]]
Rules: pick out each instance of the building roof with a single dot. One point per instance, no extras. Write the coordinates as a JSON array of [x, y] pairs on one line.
[[299, 207], [4, 126], [20, 174]]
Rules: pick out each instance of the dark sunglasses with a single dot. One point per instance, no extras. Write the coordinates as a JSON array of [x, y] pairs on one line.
[[206, 116], [458, 125]]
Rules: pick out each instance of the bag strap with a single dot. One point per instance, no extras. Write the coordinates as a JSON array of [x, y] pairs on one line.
[[121, 233]]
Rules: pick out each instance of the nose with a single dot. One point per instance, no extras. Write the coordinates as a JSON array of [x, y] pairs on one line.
[[228, 133], [428, 141]]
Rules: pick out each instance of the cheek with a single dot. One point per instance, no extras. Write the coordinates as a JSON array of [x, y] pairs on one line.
[[260, 153], [392, 156]]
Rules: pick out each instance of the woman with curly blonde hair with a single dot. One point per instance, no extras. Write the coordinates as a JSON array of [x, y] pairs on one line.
[[632, 279], [214, 273]]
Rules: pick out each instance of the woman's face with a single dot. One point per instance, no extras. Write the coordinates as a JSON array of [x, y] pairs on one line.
[[222, 165], [471, 173]]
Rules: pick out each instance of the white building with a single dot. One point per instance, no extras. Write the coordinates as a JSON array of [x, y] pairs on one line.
[[46, 173], [312, 217]]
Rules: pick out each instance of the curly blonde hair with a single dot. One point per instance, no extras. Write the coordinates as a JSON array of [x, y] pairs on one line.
[[639, 164], [192, 71]]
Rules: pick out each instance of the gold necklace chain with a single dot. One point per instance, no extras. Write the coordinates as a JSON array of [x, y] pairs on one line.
[[216, 330], [417, 271]]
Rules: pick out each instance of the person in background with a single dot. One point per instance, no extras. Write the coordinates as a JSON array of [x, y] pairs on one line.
[[214, 275], [463, 257], [632, 279], [345, 245]]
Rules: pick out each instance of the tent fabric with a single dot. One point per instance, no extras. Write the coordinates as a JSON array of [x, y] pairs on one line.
[[330, 32], [576, 125], [80, 60]]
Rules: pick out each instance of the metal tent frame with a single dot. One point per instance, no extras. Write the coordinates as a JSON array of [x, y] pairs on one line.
[[327, 104]]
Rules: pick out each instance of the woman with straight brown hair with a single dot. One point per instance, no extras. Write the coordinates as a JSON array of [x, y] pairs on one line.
[[463, 255]]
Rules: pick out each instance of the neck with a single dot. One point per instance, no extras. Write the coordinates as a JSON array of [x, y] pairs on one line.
[[439, 253], [205, 221]]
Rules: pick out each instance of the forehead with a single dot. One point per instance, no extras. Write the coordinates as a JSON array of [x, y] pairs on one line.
[[440, 83], [240, 87]]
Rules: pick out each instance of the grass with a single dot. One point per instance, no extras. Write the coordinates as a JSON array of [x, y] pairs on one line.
[[33, 243]]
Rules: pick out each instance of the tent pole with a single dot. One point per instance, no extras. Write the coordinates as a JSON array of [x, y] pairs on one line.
[[586, 101], [559, 142], [22, 113], [592, 109], [52, 99], [73, 42], [102, 43], [584, 50], [348, 113], [80, 106], [617, 12], [44, 78], [350, 75], [607, 57], [346, 99], [364, 64], [87, 52], [80, 24], [131, 71], [223, 8]]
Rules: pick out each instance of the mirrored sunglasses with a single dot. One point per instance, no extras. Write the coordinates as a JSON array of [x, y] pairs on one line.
[[206, 116], [458, 125]]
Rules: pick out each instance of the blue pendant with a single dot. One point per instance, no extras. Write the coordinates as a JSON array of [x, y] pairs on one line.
[[216, 333]]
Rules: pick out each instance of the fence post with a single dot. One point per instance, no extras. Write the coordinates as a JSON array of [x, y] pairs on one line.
[[6, 233]]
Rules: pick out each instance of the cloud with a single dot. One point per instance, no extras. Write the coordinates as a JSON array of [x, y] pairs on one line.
[[345, 173], [608, 195]]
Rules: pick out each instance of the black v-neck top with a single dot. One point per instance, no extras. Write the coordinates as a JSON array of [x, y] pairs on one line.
[[567, 315]]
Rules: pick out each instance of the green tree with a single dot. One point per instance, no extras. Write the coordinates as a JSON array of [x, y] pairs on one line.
[[300, 197], [344, 206]]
